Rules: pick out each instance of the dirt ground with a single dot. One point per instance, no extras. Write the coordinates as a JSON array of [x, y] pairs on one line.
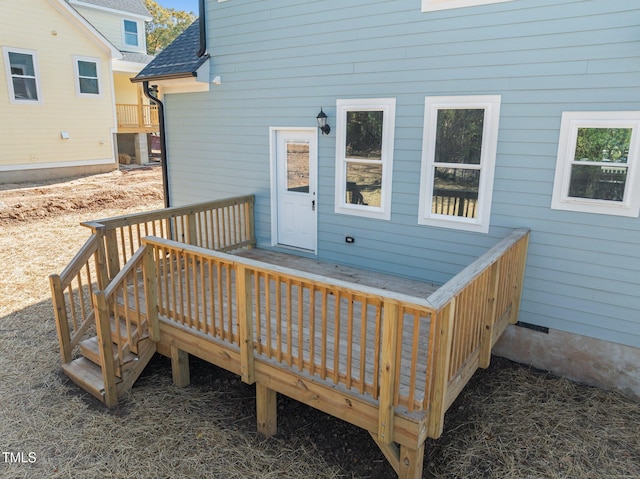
[[509, 422]]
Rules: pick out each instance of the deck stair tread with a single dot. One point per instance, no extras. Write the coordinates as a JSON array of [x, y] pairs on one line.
[[86, 374], [119, 332], [89, 348]]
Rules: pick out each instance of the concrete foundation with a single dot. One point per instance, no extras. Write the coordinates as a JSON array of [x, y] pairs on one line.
[[579, 358], [43, 174]]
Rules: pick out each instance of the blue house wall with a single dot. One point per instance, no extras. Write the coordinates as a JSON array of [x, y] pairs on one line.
[[280, 61]]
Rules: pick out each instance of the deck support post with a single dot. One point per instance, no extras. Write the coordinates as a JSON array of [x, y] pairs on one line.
[[411, 462], [180, 367], [266, 410], [244, 286], [105, 344], [192, 233], [388, 372]]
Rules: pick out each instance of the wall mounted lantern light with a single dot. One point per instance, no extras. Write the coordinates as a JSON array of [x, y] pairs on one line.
[[322, 122]]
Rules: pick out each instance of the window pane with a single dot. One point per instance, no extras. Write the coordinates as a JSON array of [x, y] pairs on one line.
[[87, 69], [598, 182], [364, 134], [89, 85], [131, 39], [455, 192], [21, 64], [25, 89], [459, 136], [130, 27], [364, 184], [603, 144], [298, 166]]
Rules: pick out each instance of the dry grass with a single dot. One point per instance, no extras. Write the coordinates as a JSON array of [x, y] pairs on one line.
[[508, 423]]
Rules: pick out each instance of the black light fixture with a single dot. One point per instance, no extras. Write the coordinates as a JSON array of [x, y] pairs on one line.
[[322, 122]]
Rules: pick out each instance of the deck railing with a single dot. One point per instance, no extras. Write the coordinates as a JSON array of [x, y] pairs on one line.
[[72, 294], [471, 311], [130, 299], [224, 225], [399, 350], [134, 116], [221, 225]]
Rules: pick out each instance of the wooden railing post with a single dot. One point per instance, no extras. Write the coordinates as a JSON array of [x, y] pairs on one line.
[[113, 256], [101, 260], [523, 245], [150, 275], [105, 344], [490, 316], [444, 321], [62, 321], [244, 305], [388, 372], [192, 230]]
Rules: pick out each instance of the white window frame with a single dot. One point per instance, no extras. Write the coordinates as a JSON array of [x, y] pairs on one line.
[[435, 5], [7, 64], [491, 106], [124, 33], [571, 121], [388, 107], [76, 69]]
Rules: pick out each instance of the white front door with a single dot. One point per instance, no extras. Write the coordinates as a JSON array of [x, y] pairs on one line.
[[296, 156]]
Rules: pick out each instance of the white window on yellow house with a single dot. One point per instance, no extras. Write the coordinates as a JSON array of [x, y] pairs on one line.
[[598, 162], [131, 33], [21, 68], [458, 160], [364, 156], [87, 71]]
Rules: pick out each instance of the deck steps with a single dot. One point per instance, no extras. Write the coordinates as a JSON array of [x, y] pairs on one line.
[[87, 375], [86, 370]]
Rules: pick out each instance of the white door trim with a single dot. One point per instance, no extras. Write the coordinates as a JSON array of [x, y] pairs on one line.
[[273, 154]]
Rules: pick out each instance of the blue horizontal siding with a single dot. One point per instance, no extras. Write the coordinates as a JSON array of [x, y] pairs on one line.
[[281, 61]]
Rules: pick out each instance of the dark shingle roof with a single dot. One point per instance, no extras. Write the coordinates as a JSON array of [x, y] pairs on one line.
[[179, 59], [130, 6]]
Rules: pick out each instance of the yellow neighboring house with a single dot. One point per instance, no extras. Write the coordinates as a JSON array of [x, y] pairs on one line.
[[122, 22], [57, 115]]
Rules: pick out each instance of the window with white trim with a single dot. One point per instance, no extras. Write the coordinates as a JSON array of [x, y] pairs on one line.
[[131, 33], [458, 161], [596, 168], [22, 75], [87, 71], [433, 5], [364, 156]]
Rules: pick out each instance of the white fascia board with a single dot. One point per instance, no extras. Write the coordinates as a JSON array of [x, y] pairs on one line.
[[182, 85], [112, 10]]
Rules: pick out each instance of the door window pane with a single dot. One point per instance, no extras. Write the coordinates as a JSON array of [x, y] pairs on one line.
[[298, 166]]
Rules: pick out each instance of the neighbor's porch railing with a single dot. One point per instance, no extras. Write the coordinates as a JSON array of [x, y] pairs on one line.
[[223, 225], [137, 116]]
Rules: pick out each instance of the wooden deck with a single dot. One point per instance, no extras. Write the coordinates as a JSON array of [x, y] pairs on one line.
[[384, 353]]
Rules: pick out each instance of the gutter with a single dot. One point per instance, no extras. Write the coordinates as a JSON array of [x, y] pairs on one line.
[[163, 142], [203, 28]]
